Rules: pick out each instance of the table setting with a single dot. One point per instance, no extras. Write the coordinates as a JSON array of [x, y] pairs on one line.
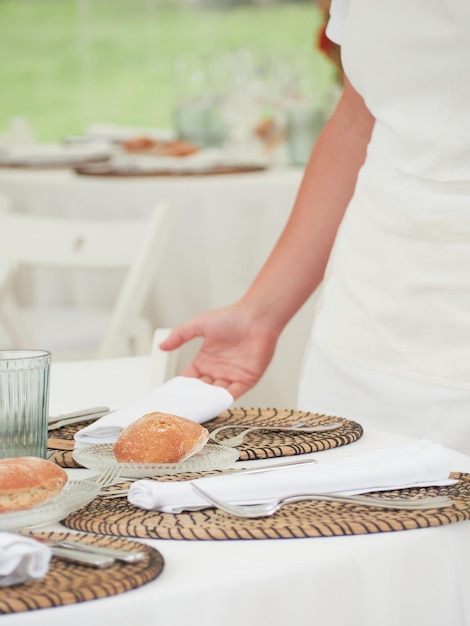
[[162, 501], [332, 482]]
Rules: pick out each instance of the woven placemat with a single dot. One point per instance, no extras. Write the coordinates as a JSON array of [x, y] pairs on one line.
[[60, 444], [70, 583], [264, 445], [256, 445], [296, 520]]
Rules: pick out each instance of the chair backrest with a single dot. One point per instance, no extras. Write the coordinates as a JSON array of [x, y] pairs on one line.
[[130, 245], [113, 382], [164, 364]]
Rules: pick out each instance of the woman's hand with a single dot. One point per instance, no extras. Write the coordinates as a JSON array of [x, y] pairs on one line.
[[236, 349]]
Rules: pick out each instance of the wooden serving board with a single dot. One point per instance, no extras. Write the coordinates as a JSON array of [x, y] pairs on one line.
[[108, 170]]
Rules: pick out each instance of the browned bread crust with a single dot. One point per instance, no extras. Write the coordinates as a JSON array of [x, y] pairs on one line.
[[159, 438], [27, 481]]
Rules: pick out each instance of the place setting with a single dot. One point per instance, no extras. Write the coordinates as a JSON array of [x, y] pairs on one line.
[[40, 569], [175, 458], [36, 573], [401, 488], [301, 495]]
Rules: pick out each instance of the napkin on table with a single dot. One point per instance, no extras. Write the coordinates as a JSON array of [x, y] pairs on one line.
[[186, 397], [22, 559], [50, 154], [420, 463]]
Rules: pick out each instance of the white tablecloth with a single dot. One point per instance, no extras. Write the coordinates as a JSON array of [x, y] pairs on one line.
[[406, 578], [225, 227]]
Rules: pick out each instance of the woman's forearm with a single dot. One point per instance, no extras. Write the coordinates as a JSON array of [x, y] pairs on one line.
[[297, 264]]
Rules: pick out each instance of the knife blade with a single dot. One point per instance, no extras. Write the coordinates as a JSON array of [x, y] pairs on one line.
[[78, 413], [77, 416], [126, 556], [82, 557]]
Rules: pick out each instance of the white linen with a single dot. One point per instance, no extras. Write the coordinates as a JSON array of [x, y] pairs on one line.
[[187, 397], [22, 559], [215, 217], [47, 154], [420, 463]]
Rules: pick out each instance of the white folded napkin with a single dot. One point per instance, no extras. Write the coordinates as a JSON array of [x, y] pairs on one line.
[[186, 397], [421, 463], [22, 559]]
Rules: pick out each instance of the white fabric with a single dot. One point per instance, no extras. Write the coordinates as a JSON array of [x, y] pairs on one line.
[[338, 15], [392, 321], [52, 153], [396, 294], [187, 397], [225, 226], [22, 559], [420, 463], [390, 403]]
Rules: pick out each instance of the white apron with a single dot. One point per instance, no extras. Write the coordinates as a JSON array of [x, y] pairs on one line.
[[391, 339]]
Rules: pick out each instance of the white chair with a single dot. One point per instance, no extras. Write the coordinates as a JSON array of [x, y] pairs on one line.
[[113, 382], [131, 247]]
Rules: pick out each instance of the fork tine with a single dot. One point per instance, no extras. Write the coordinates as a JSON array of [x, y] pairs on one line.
[[109, 475]]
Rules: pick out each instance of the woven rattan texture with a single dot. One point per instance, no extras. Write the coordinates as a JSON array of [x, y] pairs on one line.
[[259, 444], [301, 519], [70, 583]]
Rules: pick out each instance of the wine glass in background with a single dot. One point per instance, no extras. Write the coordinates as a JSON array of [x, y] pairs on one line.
[[198, 93]]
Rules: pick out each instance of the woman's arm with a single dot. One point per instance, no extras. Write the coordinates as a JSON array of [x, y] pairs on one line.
[[239, 340], [297, 264]]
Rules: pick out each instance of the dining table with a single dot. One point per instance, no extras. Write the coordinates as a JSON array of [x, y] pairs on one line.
[[224, 228], [408, 576]]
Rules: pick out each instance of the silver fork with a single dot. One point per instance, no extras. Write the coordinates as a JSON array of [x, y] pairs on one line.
[[233, 442], [110, 476], [265, 509]]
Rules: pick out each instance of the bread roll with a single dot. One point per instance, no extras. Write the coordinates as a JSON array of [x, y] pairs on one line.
[[159, 438], [26, 481]]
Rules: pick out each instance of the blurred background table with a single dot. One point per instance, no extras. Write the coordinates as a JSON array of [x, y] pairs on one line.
[[224, 228]]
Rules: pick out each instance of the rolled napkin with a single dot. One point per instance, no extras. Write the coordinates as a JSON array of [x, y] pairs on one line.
[[186, 397], [22, 559], [417, 464]]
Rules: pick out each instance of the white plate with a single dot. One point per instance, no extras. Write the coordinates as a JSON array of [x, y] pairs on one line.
[[75, 495], [211, 457]]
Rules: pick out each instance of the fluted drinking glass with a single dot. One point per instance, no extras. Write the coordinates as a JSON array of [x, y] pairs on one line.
[[24, 402]]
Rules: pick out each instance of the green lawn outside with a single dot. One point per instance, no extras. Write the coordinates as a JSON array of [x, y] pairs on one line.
[[68, 63]]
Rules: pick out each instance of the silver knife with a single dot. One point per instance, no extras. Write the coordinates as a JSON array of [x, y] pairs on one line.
[[75, 417], [127, 556], [83, 558]]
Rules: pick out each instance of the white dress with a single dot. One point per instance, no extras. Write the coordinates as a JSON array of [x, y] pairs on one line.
[[390, 344]]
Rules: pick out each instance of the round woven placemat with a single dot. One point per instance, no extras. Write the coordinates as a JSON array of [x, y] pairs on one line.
[[70, 583], [300, 519], [263, 444], [256, 445]]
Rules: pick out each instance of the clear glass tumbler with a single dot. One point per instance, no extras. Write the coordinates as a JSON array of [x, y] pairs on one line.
[[24, 402]]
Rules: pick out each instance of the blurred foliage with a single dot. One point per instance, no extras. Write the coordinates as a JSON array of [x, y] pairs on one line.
[[68, 63]]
